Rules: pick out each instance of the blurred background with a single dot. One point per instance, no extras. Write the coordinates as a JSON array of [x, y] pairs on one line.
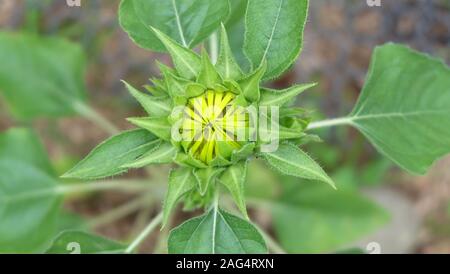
[[340, 37]]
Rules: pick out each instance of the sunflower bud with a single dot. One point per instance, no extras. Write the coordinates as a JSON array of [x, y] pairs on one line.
[[211, 125], [211, 118]]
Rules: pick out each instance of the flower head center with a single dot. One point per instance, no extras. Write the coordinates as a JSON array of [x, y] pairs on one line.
[[210, 125]]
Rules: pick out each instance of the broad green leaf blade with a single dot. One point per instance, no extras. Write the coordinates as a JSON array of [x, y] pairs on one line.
[[216, 232], [292, 161], [152, 105], [163, 154], [234, 179], [314, 219], [226, 64], [404, 108], [236, 32], [251, 83], [29, 205], [80, 242], [188, 22], [40, 76], [158, 126], [274, 32], [23, 144], [181, 180], [271, 97], [108, 158], [187, 62], [205, 177]]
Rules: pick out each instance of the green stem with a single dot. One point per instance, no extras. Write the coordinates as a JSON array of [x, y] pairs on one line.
[[214, 47], [141, 237], [121, 211], [90, 114], [161, 244], [141, 221], [330, 123]]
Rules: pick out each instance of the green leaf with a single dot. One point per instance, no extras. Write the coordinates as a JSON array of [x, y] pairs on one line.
[[313, 219], [205, 177], [236, 32], [226, 64], [181, 180], [208, 75], [23, 144], [234, 179], [274, 33], [40, 76], [216, 232], [27, 193], [250, 84], [156, 125], [187, 62], [162, 154], [29, 205], [80, 242], [404, 108], [108, 158], [292, 161], [271, 97], [152, 105], [188, 22]]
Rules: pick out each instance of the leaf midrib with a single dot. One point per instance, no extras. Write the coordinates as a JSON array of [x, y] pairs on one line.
[[159, 154], [397, 114], [10, 199], [269, 43], [215, 212], [232, 230], [178, 20]]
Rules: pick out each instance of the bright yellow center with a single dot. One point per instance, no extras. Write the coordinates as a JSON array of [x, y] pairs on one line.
[[212, 122]]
